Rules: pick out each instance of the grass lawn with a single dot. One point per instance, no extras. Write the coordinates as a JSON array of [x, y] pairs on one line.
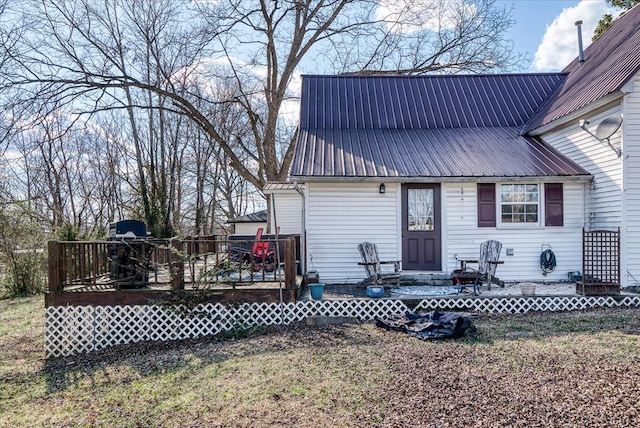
[[573, 369]]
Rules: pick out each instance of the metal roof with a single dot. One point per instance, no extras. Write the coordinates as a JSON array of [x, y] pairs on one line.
[[609, 63], [424, 126], [448, 152], [257, 217], [451, 101], [281, 185]]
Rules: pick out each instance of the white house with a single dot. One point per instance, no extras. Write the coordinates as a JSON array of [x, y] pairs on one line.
[[249, 224], [428, 167], [287, 211]]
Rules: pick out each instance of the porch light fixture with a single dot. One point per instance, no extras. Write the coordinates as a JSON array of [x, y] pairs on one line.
[[382, 188]]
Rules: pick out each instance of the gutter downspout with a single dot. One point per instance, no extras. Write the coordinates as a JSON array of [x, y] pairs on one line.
[[303, 232]]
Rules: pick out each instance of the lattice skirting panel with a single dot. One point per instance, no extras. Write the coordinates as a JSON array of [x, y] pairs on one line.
[[78, 329]]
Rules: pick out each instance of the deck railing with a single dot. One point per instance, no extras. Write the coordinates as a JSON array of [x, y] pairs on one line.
[[169, 264]]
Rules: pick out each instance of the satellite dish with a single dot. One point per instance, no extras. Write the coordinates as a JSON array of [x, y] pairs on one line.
[[608, 127]]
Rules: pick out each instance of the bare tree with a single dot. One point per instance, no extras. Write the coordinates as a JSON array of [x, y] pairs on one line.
[[214, 191], [10, 34], [98, 53], [56, 171]]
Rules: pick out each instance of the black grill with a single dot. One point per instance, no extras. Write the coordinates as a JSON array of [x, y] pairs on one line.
[[129, 253]]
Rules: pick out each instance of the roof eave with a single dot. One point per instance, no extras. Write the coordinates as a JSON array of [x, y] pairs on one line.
[[577, 114], [480, 179]]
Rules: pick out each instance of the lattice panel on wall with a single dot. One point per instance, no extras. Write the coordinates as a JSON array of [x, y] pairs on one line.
[[601, 257], [79, 329]]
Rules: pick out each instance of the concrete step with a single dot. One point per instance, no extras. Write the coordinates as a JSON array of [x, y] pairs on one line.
[[425, 279]]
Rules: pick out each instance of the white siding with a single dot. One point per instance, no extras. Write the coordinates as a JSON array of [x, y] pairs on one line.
[[614, 197], [249, 228], [464, 237], [604, 203], [339, 217], [631, 155], [288, 211]]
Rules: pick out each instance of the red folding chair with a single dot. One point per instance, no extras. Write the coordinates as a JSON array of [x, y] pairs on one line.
[[262, 254]]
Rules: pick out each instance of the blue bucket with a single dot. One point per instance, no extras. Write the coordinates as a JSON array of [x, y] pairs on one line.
[[375, 291], [316, 290]]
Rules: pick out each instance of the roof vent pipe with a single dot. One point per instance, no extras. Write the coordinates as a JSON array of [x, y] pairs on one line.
[[580, 51]]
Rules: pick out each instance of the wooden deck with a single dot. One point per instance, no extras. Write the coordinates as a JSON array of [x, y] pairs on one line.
[[94, 273]]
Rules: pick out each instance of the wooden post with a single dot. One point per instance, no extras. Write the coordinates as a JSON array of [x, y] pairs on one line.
[[82, 262], [94, 262], [290, 264], [176, 265], [54, 267], [66, 260]]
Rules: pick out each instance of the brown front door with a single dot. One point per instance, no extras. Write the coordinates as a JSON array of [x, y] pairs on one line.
[[421, 227]]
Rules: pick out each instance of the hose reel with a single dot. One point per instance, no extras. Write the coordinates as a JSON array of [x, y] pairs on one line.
[[547, 260]]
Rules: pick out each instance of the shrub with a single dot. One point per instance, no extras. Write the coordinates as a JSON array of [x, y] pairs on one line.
[[68, 232], [24, 275], [22, 259]]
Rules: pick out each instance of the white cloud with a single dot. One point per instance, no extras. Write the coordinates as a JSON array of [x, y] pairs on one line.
[[407, 16], [290, 110], [559, 45]]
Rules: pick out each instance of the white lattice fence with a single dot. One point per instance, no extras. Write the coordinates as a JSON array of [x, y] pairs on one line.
[[520, 305], [78, 329]]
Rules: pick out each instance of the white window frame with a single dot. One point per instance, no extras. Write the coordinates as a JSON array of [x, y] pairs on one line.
[[539, 204]]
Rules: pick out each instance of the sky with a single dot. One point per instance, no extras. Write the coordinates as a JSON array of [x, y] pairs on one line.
[[546, 30]]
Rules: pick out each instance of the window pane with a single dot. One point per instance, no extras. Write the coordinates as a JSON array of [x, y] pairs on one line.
[[519, 192], [532, 193], [506, 193], [519, 203], [420, 209]]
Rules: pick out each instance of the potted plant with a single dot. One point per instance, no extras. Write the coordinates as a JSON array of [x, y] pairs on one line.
[[528, 288], [316, 290]]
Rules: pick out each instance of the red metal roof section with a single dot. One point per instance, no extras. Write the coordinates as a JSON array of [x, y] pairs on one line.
[[447, 152], [609, 63], [458, 101], [424, 126]]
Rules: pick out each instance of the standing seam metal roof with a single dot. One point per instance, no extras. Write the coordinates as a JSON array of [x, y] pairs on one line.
[[447, 152], [609, 63], [425, 126], [404, 102]]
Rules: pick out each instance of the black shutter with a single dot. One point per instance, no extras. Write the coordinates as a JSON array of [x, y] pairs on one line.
[[553, 204], [486, 205]]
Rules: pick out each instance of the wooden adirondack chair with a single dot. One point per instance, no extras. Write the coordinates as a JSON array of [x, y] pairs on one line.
[[373, 268], [488, 261]]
